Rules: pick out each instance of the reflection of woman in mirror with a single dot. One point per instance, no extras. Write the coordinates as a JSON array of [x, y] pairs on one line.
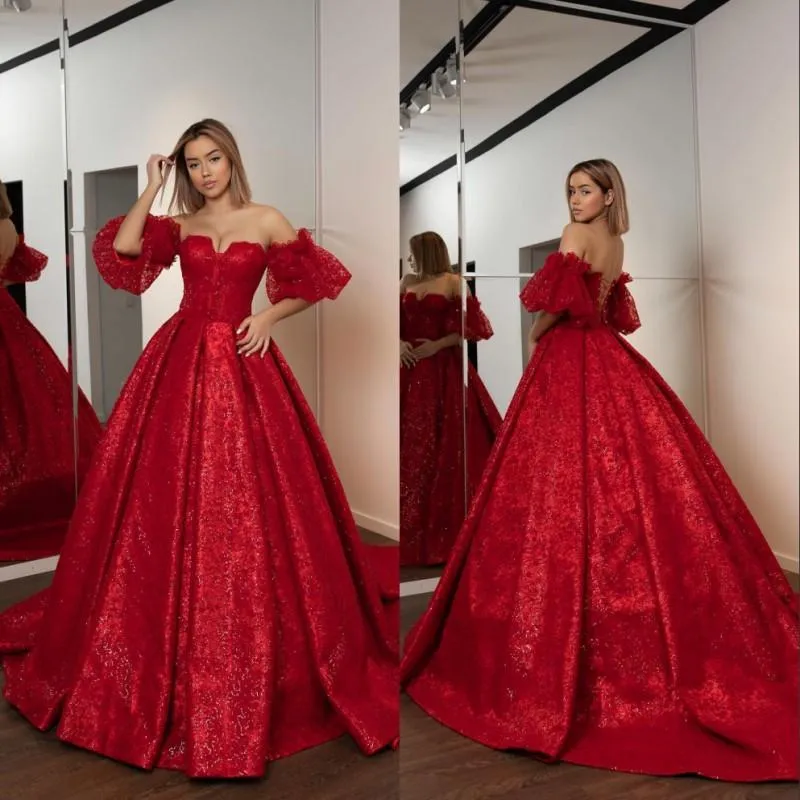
[[37, 448], [432, 401], [610, 601], [211, 610]]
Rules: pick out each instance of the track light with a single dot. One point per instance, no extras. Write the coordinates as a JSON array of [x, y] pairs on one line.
[[421, 101], [442, 87], [451, 71], [17, 5], [405, 118]]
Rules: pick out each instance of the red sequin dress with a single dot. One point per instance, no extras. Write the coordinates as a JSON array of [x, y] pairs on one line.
[[211, 610], [37, 450], [610, 601], [432, 426]]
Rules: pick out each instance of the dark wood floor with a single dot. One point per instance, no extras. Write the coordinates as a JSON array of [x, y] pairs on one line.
[[439, 764], [36, 766]]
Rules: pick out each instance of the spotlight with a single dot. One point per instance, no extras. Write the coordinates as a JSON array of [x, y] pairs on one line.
[[17, 5], [405, 118], [451, 71], [421, 101], [442, 87]]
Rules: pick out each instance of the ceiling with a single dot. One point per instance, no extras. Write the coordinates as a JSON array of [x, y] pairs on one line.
[[527, 57], [20, 33]]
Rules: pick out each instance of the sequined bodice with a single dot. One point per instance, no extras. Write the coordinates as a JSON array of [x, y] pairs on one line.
[[220, 285], [430, 316]]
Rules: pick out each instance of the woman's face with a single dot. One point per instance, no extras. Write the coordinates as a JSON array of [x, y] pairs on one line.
[[412, 262], [587, 200], [209, 168]]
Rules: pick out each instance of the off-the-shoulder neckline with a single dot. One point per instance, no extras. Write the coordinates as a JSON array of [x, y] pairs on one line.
[[302, 233]]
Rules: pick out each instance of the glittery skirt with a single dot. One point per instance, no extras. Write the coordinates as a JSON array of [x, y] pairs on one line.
[[438, 446], [37, 454], [211, 610], [610, 601]]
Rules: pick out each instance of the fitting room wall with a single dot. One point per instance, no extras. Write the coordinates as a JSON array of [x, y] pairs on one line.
[[747, 66], [514, 197], [31, 150], [256, 74], [359, 366]]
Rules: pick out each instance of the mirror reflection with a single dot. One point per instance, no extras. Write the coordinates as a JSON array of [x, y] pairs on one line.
[[37, 454], [438, 314], [213, 569], [606, 542]]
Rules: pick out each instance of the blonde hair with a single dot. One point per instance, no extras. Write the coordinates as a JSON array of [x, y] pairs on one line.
[[5, 204], [608, 178], [185, 198], [430, 254]]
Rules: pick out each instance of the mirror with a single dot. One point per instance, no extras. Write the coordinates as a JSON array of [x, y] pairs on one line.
[[37, 454], [432, 488], [548, 86], [543, 87], [109, 153]]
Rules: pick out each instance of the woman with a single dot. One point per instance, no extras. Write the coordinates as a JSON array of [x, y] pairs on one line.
[[610, 600], [210, 611], [37, 447], [432, 402]]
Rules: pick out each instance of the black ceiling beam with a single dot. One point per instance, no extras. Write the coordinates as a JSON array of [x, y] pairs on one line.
[[103, 26], [658, 34], [475, 31], [23, 58], [600, 16], [115, 20], [622, 7]]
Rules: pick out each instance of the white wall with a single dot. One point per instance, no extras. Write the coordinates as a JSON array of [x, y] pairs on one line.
[[257, 76], [747, 64], [641, 117], [432, 206], [359, 358], [32, 150]]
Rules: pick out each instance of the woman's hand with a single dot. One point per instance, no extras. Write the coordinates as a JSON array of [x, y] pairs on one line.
[[257, 331], [407, 357], [156, 166], [428, 348]]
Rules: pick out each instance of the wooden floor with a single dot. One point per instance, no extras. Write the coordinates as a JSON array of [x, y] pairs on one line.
[[36, 766], [433, 763], [439, 764]]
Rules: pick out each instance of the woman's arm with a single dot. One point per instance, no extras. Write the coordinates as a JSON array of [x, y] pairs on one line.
[[128, 241], [572, 241]]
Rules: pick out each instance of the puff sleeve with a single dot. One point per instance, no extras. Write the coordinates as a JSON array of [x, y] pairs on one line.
[[559, 286], [160, 243], [25, 264], [302, 269], [475, 326], [621, 308]]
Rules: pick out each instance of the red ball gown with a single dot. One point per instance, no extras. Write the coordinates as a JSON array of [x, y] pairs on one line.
[[432, 426], [610, 601], [37, 447], [211, 610]]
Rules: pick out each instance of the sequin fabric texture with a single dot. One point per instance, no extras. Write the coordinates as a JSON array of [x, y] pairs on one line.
[[610, 601], [435, 442], [211, 610], [37, 452]]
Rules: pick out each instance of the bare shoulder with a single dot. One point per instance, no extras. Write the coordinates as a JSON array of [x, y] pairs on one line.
[[454, 283], [406, 281], [574, 239], [273, 224], [575, 231]]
